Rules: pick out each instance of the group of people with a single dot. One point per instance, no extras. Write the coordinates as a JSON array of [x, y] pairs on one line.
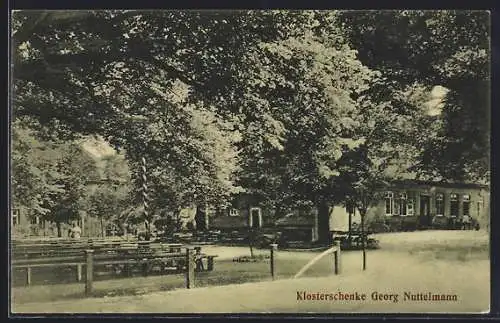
[[465, 223]]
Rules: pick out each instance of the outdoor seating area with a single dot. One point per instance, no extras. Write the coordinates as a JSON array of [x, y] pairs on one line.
[[353, 240], [114, 258]]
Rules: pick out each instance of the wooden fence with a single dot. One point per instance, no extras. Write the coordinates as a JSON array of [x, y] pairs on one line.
[[91, 254]]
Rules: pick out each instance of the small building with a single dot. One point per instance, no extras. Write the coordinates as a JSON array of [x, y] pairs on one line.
[[299, 227], [245, 212], [239, 218], [423, 204]]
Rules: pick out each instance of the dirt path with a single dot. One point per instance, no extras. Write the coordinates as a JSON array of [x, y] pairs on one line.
[[389, 272]]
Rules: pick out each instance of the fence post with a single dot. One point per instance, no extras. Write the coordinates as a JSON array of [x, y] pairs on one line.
[[210, 264], [274, 247], [28, 276], [336, 258], [79, 272], [189, 268], [89, 255]]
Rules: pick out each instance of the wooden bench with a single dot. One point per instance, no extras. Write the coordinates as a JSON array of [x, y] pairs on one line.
[[106, 260], [28, 250], [168, 257]]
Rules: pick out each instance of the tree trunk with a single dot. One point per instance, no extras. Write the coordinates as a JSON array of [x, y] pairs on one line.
[[102, 228], [324, 236], [59, 232], [251, 241], [251, 249], [350, 221], [278, 213], [363, 237], [200, 219]]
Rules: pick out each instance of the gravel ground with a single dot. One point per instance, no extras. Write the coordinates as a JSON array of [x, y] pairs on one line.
[[281, 296], [395, 269]]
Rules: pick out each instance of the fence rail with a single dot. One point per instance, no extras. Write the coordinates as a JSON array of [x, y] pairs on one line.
[[185, 260]]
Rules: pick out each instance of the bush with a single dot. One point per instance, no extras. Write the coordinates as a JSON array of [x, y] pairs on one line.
[[255, 258], [394, 224], [409, 223], [378, 227], [440, 222]]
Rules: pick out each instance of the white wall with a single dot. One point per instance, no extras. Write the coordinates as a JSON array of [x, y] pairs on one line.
[[339, 218]]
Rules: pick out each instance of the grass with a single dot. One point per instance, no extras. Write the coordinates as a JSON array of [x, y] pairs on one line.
[[226, 272], [437, 262]]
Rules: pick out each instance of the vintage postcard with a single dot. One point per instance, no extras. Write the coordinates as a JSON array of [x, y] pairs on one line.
[[250, 161]]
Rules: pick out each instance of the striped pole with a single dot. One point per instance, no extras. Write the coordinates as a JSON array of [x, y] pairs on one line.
[[145, 193]]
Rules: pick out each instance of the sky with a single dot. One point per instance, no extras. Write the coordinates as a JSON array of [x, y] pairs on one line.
[[435, 104]]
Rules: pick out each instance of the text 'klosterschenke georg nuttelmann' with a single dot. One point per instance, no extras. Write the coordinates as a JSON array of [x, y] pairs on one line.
[[376, 296]]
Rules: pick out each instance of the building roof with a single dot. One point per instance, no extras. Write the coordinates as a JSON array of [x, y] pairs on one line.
[[229, 222], [295, 221], [441, 183]]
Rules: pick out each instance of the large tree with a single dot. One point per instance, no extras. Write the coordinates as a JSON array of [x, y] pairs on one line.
[[339, 132], [121, 74], [311, 84], [446, 48], [275, 98]]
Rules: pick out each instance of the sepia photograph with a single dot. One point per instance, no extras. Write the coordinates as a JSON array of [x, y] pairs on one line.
[[249, 161]]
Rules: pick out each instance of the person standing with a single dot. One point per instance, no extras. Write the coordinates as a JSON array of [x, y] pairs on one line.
[[76, 231], [199, 260], [466, 222]]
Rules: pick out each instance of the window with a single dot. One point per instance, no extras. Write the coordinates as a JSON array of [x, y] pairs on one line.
[[34, 220], [453, 204], [402, 204], [439, 204], [234, 212], [466, 205], [15, 217], [389, 203], [410, 205], [480, 203]]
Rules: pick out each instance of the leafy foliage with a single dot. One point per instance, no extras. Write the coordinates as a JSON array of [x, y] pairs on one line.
[[447, 48], [49, 177], [118, 74], [110, 196], [297, 108]]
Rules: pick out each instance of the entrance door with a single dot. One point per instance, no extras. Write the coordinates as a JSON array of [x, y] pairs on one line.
[[255, 218], [425, 211]]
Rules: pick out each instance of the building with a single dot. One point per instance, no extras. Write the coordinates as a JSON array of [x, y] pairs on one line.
[[405, 205], [413, 204], [245, 212], [299, 226], [25, 223]]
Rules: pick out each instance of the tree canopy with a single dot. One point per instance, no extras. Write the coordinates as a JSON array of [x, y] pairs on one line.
[[447, 48], [295, 107]]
